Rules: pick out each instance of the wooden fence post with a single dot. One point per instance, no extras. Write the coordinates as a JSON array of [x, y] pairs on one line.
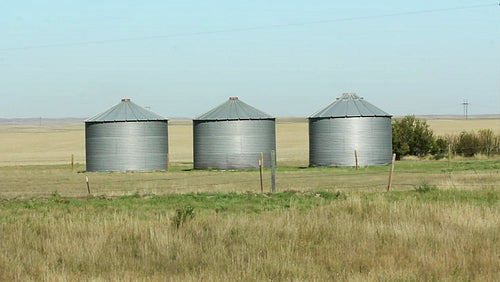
[[273, 171], [261, 169], [72, 163], [356, 158], [392, 171], [88, 185]]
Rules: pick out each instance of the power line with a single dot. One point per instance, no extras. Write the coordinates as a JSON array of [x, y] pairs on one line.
[[243, 29], [466, 104]]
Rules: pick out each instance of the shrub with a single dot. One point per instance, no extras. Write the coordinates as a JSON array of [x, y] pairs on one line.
[[488, 142], [439, 148], [411, 136], [471, 143], [182, 215], [467, 144]]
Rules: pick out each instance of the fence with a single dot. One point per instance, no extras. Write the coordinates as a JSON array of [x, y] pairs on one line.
[[42, 181]]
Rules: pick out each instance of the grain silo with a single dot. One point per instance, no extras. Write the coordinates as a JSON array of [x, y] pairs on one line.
[[347, 125], [126, 137], [232, 136]]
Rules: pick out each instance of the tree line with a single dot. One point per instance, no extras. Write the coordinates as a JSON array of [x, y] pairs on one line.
[[411, 136]]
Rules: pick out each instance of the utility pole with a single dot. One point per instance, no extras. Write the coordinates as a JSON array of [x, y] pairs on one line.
[[466, 103]]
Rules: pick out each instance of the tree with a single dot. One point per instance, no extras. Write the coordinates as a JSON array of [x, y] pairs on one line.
[[468, 144], [487, 141], [411, 136], [440, 148]]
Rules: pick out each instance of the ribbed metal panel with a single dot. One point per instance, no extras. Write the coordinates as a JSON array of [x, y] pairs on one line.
[[126, 146], [350, 105], [332, 141], [233, 144], [126, 110], [233, 109]]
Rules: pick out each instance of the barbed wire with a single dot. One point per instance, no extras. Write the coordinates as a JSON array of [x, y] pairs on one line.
[[365, 179]]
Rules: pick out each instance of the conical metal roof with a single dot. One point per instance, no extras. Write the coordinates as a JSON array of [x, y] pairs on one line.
[[350, 105], [233, 109], [125, 111]]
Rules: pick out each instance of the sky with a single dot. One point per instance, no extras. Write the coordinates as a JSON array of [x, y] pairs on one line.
[[287, 58]]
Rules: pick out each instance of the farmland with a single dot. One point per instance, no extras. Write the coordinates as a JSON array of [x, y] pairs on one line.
[[33, 144], [440, 221]]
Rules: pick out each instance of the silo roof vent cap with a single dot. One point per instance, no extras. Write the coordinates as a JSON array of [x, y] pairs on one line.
[[349, 96], [233, 98], [125, 99]]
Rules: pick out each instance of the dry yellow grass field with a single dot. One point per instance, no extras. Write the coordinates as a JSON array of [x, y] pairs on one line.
[[455, 126], [20, 145], [44, 146], [359, 237], [438, 223]]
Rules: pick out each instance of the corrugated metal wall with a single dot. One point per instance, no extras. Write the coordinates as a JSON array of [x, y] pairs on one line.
[[233, 144], [126, 146], [332, 141]]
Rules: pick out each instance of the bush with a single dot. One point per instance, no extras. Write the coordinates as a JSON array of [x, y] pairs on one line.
[[182, 215], [411, 136], [471, 143], [439, 148], [488, 142], [467, 144]]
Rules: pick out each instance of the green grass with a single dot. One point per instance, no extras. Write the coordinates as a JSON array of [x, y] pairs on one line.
[[407, 235], [220, 203], [247, 203], [43, 180]]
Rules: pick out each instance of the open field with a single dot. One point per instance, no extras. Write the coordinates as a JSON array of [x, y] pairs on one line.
[[440, 221], [27, 182], [20, 145], [414, 235], [453, 126]]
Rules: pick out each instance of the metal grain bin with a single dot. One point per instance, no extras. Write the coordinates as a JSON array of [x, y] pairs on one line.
[[232, 136], [347, 125], [126, 137]]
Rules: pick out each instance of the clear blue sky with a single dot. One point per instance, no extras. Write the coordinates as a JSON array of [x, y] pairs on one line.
[[287, 58]]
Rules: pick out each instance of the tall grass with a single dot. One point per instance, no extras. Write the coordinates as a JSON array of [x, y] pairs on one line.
[[403, 235]]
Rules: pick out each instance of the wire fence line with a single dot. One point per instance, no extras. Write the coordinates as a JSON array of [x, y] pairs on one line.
[[454, 176]]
